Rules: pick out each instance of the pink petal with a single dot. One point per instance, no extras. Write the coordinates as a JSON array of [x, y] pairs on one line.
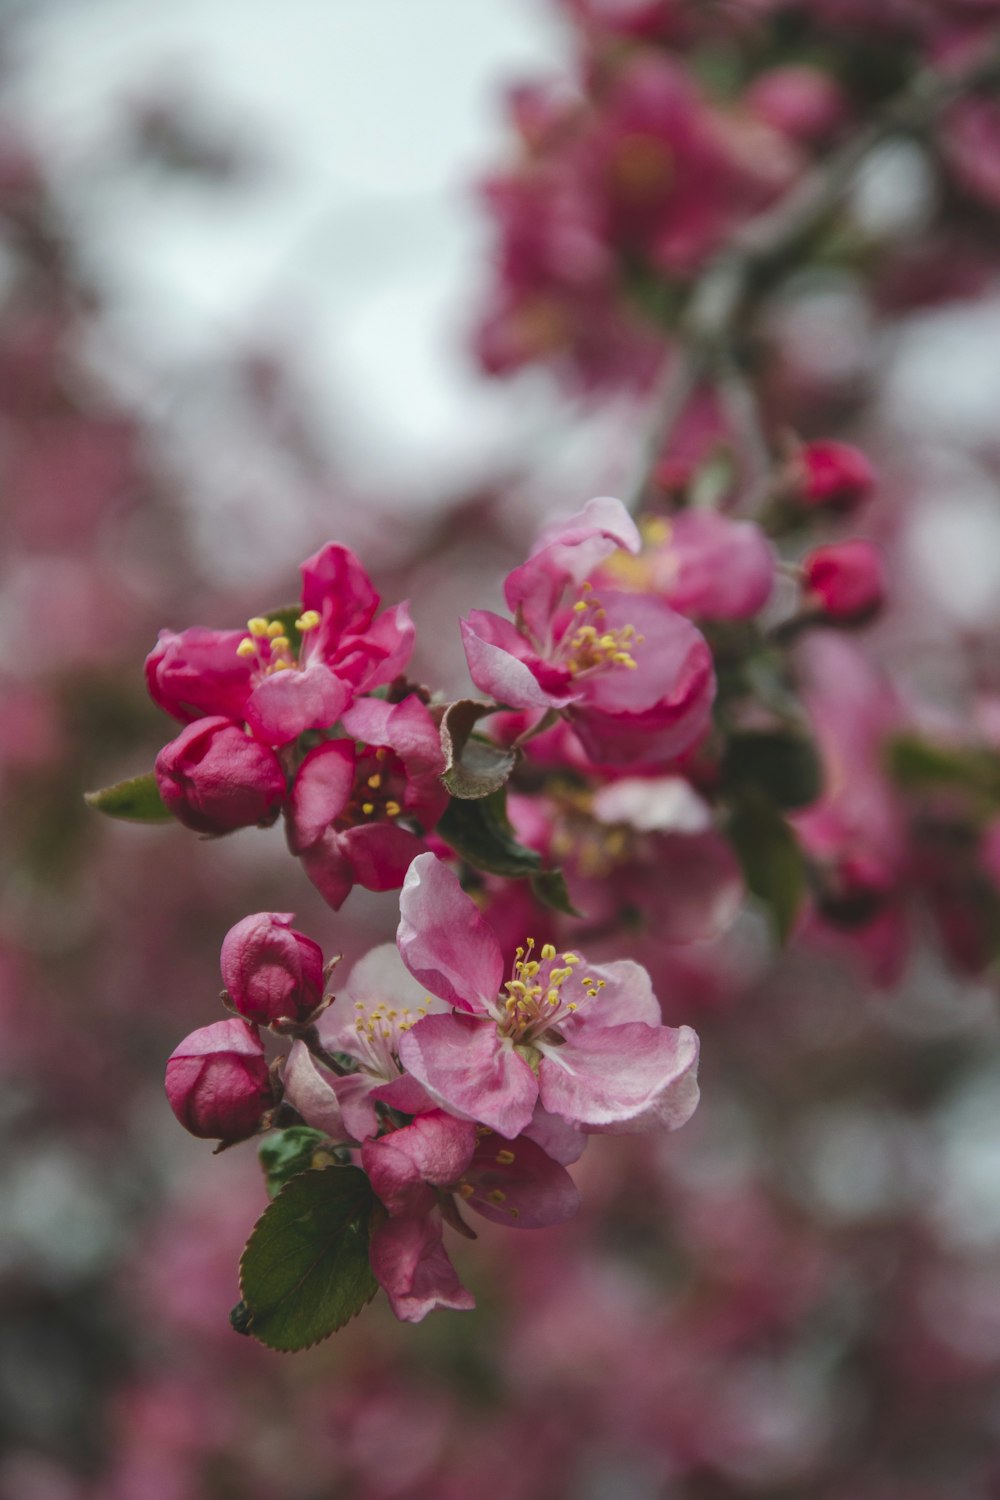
[[286, 704], [435, 1149], [563, 1142], [388, 646], [462, 1061], [602, 1075], [310, 1092], [567, 553], [493, 650], [412, 1266], [380, 853], [320, 792], [336, 585], [518, 1185], [191, 673], [443, 940], [329, 870]]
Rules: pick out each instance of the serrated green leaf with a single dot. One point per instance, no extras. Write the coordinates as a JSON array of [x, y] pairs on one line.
[[772, 862], [137, 800], [474, 767], [305, 1270], [781, 764], [286, 1154], [550, 888], [480, 833]]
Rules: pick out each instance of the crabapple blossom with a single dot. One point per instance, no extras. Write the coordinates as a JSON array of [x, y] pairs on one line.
[[831, 475], [214, 777], [845, 580], [217, 1081], [701, 563], [585, 1042], [271, 972]]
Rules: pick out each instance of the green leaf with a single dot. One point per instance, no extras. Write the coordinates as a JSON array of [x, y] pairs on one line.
[[288, 1153], [773, 865], [550, 888], [781, 764], [917, 763], [480, 833], [137, 800], [474, 767], [305, 1270]]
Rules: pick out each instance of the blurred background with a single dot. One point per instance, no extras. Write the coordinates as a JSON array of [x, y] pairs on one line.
[[244, 272]]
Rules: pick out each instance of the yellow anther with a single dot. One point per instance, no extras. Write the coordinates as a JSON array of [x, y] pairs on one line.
[[246, 647], [308, 620], [279, 643], [367, 808], [553, 997], [465, 1190], [393, 809], [375, 781], [381, 753], [608, 642], [257, 626], [504, 1158], [549, 951], [359, 1005], [496, 1196], [571, 958], [586, 587], [656, 530], [580, 606], [572, 1006], [275, 628]]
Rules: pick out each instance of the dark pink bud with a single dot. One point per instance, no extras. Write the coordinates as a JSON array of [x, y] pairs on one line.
[[217, 1081], [833, 476], [213, 777], [802, 102], [846, 581], [270, 970]]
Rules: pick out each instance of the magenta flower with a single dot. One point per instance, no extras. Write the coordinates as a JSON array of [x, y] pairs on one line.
[[352, 805], [214, 778], [845, 581], [271, 972], [634, 678], [217, 1081], [585, 1042], [420, 1171], [255, 677], [701, 564]]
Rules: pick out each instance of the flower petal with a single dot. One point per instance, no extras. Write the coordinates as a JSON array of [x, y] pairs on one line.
[[320, 791], [603, 1075], [494, 651], [443, 940], [412, 1266], [462, 1061], [518, 1185], [286, 704]]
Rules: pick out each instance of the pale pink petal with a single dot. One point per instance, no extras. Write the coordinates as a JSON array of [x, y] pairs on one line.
[[380, 978], [567, 553], [714, 567], [435, 1149], [412, 1266], [310, 1092], [443, 940], [493, 650], [563, 1142], [462, 1061], [603, 1075], [518, 1185], [320, 791]]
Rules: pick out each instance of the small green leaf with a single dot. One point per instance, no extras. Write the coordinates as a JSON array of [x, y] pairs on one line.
[[287, 1153], [550, 888], [782, 764], [480, 833], [773, 865], [474, 767], [919, 764], [305, 1270], [137, 800]]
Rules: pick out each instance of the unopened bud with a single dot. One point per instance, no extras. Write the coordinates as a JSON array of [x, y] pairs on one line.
[[832, 476], [846, 581], [213, 777], [271, 971], [218, 1083]]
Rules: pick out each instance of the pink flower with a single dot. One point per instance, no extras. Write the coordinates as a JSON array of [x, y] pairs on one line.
[[379, 1004], [846, 580], [348, 800], [586, 1042], [701, 564], [832, 476], [801, 101], [217, 1081], [633, 677], [255, 677], [214, 778], [421, 1169], [271, 972]]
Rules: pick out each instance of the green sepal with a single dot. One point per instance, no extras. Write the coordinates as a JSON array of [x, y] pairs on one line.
[[773, 864], [287, 1153], [137, 800], [550, 888], [305, 1270]]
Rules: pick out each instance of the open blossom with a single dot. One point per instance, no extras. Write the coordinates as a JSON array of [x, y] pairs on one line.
[[632, 676], [423, 1172], [214, 778], [352, 804], [255, 676], [585, 1042], [701, 563]]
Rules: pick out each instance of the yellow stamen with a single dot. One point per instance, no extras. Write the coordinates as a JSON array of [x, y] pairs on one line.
[[375, 782], [308, 620], [393, 809], [496, 1196], [275, 628], [246, 647], [257, 626], [367, 808], [279, 643], [504, 1158], [548, 951]]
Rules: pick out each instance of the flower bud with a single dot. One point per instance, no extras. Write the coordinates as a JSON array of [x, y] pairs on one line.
[[845, 581], [270, 970], [218, 1083], [832, 476], [213, 777], [801, 101]]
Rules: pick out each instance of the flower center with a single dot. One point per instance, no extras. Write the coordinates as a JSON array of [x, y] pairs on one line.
[[379, 784], [269, 647], [378, 1032], [590, 645], [534, 1001]]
